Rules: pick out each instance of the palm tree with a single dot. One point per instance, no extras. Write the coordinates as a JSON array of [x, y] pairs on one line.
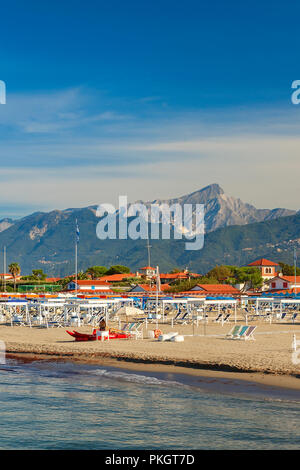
[[15, 270]]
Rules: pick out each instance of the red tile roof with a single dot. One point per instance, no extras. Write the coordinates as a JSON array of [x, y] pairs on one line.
[[173, 276], [284, 291], [91, 291], [290, 278], [116, 277], [148, 288], [218, 288], [89, 282], [263, 262], [180, 275]]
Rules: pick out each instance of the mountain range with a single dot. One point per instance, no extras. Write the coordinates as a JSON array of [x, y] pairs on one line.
[[236, 233]]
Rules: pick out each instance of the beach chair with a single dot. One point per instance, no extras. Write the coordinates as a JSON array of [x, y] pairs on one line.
[[17, 320], [57, 322], [239, 334], [218, 317], [233, 332], [267, 317], [282, 316], [125, 328], [249, 333], [294, 316], [184, 319], [135, 329], [226, 318], [178, 315]]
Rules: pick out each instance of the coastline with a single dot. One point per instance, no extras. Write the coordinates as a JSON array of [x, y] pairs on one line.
[[267, 360], [195, 370]]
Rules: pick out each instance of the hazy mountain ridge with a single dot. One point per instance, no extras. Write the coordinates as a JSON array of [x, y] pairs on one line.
[[47, 240], [222, 210]]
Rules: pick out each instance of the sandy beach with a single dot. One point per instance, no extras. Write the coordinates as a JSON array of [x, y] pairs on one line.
[[268, 359]]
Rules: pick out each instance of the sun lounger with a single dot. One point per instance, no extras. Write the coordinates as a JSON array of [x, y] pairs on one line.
[[17, 320], [226, 318], [167, 336], [249, 333], [178, 315], [218, 317], [137, 330], [242, 332], [134, 329], [294, 316], [184, 319], [233, 332], [58, 323]]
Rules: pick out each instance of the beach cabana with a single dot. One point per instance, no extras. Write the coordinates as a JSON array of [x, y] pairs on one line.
[[220, 302]]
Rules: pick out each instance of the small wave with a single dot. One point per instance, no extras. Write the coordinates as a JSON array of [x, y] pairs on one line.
[[134, 378]]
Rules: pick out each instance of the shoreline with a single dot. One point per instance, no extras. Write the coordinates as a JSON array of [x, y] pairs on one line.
[[288, 381], [267, 360]]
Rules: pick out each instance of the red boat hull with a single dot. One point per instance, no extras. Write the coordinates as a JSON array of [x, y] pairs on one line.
[[86, 337]]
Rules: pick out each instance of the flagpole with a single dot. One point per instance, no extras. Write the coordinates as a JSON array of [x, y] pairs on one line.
[[4, 268], [76, 261], [76, 290], [295, 267]]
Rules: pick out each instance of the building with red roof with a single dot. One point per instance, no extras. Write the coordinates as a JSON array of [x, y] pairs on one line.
[[89, 285], [116, 277], [279, 283], [146, 288], [148, 272], [181, 276], [215, 289], [268, 269]]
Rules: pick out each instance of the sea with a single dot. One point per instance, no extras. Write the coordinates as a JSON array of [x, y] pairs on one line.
[[64, 405]]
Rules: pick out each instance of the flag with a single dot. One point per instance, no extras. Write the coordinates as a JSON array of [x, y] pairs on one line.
[[77, 232]]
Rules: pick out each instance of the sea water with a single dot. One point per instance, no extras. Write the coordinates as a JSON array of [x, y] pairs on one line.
[[47, 405]]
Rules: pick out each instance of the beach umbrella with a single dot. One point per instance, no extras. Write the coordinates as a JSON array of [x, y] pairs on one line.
[[129, 311]]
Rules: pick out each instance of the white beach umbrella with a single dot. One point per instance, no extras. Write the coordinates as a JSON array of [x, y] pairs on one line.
[[129, 311]]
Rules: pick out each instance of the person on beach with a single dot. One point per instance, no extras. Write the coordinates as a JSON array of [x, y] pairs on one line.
[[102, 325]]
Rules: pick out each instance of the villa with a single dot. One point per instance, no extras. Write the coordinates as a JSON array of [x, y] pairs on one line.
[[268, 269], [284, 283]]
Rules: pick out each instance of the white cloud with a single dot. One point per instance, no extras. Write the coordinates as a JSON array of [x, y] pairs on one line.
[[68, 149]]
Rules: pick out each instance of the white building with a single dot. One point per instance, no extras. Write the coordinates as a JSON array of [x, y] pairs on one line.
[[89, 285], [283, 283]]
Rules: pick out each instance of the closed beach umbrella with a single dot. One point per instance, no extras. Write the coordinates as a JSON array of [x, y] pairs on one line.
[[129, 311]]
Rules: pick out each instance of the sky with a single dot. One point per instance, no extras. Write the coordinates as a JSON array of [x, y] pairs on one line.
[[147, 99]]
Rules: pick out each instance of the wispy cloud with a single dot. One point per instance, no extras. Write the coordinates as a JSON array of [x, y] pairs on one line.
[[77, 147]]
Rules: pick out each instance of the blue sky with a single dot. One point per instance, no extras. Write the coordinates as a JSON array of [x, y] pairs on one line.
[[148, 99]]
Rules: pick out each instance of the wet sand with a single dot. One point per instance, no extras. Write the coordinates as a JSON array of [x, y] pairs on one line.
[[267, 360]]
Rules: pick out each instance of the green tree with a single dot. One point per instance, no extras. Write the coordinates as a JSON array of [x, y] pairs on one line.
[[248, 275], [38, 275], [15, 270], [81, 276], [96, 271], [221, 273], [175, 271], [117, 269], [288, 270]]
